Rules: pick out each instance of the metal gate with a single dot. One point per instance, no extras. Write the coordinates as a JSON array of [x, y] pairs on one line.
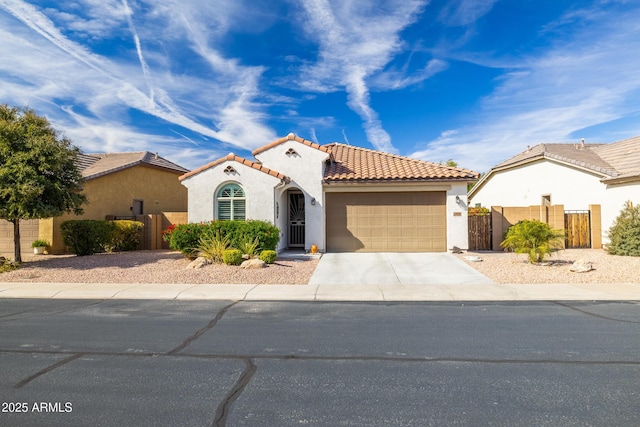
[[577, 225], [296, 219]]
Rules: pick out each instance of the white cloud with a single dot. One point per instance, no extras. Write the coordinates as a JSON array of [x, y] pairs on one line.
[[584, 80], [465, 12], [98, 136], [392, 79], [357, 39], [224, 107]]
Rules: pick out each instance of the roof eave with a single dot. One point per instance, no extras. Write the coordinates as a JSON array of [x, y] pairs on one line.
[[330, 181], [584, 167], [112, 170], [621, 179], [233, 158], [291, 137]]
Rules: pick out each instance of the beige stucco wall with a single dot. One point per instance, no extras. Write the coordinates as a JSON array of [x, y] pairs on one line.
[[113, 194]]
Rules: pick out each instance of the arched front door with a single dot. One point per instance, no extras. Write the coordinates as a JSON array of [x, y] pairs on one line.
[[296, 219]]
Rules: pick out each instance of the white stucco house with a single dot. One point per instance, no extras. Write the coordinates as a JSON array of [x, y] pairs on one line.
[[338, 197], [573, 175]]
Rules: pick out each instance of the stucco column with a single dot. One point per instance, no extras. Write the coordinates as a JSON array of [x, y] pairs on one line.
[[596, 226]]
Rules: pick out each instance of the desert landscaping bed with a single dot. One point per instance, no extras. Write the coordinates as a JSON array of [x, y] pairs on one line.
[[171, 267], [508, 267], [152, 267]]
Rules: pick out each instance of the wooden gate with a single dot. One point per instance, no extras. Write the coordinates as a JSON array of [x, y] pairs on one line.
[[577, 225], [480, 232]]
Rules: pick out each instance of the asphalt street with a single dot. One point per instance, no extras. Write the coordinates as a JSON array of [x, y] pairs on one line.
[[267, 363]]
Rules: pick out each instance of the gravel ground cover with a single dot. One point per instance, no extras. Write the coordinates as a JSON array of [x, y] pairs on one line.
[[170, 267], [151, 267], [506, 267]]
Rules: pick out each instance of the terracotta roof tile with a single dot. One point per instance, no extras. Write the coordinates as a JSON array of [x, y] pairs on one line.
[[355, 164], [96, 165], [290, 137], [233, 157]]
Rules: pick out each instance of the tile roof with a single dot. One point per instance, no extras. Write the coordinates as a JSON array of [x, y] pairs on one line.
[[355, 164], [83, 161], [290, 137], [581, 155], [96, 165], [617, 162], [624, 156], [233, 157]]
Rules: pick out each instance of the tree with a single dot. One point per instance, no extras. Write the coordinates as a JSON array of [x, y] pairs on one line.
[[624, 234], [39, 177], [534, 238]]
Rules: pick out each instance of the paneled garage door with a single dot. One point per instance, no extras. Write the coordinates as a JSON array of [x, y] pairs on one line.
[[386, 222]]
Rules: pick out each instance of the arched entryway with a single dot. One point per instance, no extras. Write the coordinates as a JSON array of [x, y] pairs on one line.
[[296, 219]]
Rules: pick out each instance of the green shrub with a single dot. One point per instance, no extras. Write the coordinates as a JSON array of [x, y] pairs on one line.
[[86, 236], [213, 247], [125, 235], [534, 238], [266, 233], [7, 265], [624, 234], [268, 256], [232, 257], [186, 237], [40, 244]]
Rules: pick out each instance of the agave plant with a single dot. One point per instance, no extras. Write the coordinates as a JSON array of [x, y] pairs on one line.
[[248, 246], [213, 247], [534, 238]]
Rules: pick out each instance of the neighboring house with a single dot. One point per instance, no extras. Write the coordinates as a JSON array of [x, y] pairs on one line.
[[116, 184], [573, 175], [337, 197]]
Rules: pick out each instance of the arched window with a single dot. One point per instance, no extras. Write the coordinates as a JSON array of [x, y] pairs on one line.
[[231, 202]]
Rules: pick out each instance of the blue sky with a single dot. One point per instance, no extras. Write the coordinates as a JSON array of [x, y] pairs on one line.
[[472, 81]]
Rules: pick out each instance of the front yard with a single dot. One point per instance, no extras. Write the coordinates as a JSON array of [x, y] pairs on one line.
[[152, 267], [508, 267], [170, 267]]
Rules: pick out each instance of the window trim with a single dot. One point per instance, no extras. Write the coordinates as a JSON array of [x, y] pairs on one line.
[[233, 200]]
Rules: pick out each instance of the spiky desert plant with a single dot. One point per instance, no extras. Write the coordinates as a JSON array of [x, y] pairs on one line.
[[213, 247], [247, 246], [534, 238]]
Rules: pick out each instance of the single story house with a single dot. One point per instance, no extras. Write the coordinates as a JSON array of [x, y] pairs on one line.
[[116, 184], [338, 197], [573, 175]]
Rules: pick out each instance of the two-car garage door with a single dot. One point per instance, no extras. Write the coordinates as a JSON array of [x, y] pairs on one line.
[[386, 222]]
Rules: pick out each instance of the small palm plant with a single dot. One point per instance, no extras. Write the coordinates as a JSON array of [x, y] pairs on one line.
[[534, 238]]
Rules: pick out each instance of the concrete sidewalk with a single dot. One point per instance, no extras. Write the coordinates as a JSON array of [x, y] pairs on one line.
[[325, 292]]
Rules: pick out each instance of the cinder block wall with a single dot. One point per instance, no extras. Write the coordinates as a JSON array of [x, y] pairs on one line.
[[503, 217]]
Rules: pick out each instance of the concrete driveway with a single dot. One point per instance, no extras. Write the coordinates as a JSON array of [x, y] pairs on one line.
[[395, 268]]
